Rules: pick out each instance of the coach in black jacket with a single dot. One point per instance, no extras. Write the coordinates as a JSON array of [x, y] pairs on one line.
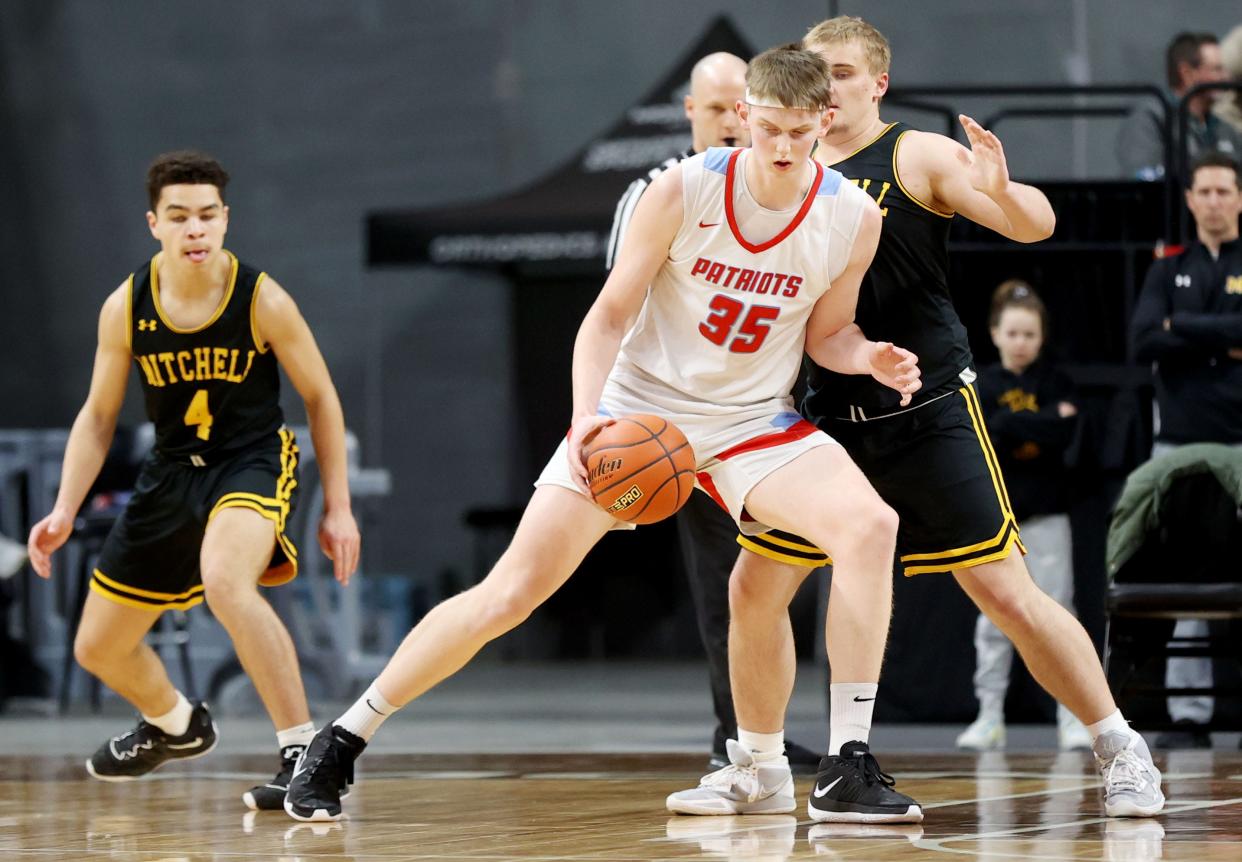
[[1189, 316], [1189, 323]]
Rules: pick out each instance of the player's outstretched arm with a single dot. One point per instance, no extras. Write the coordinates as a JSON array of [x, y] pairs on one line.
[[975, 182], [280, 324], [651, 231], [91, 433], [835, 342]]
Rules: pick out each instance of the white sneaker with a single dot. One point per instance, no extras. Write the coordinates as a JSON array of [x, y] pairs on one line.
[[742, 787], [987, 733], [1131, 780], [754, 839], [1072, 735], [1133, 841]]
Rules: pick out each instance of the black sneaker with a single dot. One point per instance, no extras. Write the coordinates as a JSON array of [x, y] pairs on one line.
[[1186, 734], [719, 758], [135, 753], [322, 774], [271, 796], [802, 761], [850, 788]]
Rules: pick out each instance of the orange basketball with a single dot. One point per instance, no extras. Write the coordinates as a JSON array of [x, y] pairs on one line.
[[641, 468]]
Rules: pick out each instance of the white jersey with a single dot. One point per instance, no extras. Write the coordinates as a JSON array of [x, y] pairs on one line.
[[724, 322]]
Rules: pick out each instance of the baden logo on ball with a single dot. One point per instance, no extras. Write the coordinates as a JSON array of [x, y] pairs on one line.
[[640, 468]]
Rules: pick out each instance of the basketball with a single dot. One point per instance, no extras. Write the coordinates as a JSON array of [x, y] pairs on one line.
[[640, 468]]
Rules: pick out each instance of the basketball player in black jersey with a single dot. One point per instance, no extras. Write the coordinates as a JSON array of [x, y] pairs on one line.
[[931, 461], [210, 508]]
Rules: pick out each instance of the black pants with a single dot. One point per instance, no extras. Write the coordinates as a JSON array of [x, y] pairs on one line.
[[709, 545]]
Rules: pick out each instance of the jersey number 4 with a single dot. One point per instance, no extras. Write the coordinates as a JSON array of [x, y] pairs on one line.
[[721, 323], [199, 414]]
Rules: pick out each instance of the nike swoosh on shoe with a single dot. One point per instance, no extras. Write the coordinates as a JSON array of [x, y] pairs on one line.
[[821, 792]]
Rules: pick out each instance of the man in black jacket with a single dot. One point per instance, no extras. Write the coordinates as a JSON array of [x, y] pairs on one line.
[[1188, 322]]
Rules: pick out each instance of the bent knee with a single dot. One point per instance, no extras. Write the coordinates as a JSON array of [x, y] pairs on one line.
[[870, 532], [877, 522], [223, 588], [764, 589], [95, 653], [1007, 599]]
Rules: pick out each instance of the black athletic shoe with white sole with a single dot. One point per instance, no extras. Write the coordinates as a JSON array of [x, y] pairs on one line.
[[137, 752], [271, 796], [850, 788], [322, 775]]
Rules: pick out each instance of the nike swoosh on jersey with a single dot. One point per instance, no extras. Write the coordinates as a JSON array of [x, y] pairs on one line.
[[821, 792], [858, 699], [713, 224]]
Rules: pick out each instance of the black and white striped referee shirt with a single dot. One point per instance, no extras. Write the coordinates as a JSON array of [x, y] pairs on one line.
[[629, 200]]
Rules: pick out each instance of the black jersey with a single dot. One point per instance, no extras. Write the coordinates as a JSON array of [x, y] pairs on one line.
[[1187, 320], [1029, 434], [904, 296], [211, 390]]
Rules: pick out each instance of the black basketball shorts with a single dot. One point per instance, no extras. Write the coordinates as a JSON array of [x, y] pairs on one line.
[[150, 560], [936, 467]]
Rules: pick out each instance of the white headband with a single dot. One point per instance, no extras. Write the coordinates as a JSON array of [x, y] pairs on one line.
[[755, 102]]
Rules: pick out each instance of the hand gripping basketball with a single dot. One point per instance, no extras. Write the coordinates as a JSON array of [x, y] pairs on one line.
[[640, 468]]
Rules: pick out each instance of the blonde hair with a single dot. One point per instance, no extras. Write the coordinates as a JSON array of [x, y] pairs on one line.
[[790, 76], [845, 28]]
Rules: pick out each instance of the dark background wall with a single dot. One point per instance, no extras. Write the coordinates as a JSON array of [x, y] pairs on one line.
[[326, 110]]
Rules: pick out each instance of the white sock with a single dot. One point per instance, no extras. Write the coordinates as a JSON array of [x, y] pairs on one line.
[[1109, 722], [176, 721], [991, 705], [366, 715], [302, 734], [762, 746], [851, 705]]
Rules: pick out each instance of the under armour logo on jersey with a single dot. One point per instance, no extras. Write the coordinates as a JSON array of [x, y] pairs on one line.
[[1181, 280], [146, 326]]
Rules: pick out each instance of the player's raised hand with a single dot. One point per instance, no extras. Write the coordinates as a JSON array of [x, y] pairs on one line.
[[341, 543], [45, 537], [985, 160], [580, 433], [897, 368]]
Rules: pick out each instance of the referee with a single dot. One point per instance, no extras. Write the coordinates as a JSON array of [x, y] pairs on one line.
[[707, 533]]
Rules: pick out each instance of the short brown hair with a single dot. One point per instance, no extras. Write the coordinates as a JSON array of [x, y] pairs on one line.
[[845, 28], [188, 167], [1213, 159], [790, 76], [1185, 48], [1016, 293]]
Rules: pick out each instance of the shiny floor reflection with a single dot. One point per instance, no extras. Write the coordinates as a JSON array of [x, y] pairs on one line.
[[609, 807]]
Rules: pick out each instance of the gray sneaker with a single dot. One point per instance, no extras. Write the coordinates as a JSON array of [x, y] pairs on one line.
[[1131, 780], [742, 787]]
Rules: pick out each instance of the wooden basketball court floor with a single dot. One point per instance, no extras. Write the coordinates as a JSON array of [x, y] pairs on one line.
[[573, 760], [596, 806]]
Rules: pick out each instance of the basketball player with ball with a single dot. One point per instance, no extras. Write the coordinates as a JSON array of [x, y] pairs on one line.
[[734, 263]]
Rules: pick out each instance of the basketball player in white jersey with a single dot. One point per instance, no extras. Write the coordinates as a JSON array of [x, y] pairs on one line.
[[752, 255]]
